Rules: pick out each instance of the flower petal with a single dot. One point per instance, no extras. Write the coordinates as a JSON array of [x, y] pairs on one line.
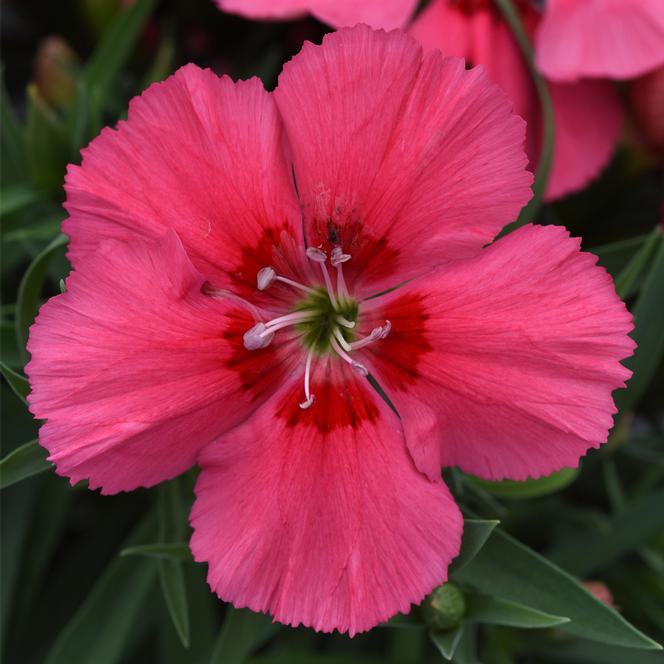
[[600, 38], [588, 125], [198, 154], [398, 155], [130, 367], [518, 352], [322, 520], [588, 114]]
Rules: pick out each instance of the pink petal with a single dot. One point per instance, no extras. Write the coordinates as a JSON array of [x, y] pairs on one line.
[[518, 353], [589, 119], [588, 114], [199, 154], [386, 14], [399, 155], [130, 367], [322, 521], [265, 9], [600, 38]]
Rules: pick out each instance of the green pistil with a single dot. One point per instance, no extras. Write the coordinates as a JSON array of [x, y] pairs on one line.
[[318, 331]]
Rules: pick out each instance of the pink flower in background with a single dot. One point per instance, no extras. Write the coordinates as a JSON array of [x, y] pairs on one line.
[[588, 114], [385, 14], [600, 38], [255, 272]]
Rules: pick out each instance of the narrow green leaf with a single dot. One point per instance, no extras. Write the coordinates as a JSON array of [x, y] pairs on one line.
[[114, 50], [23, 462], [45, 143], [648, 334], [497, 611], [164, 61], [12, 147], [626, 280], [171, 576], [99, 630], [447, 642], [509, 569], [616, 255], [585, 652], [16, 381], [529, 488], [475, 535], [164, 551], [17, 197], [243, 632], [46, 230], [30, 288], [513, 19], [591, 551]]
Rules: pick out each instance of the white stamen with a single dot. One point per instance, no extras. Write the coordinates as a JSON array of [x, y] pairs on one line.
[[360, 368], [265, 277], [345, 322], [258, 337], [320, 257], [310, 398], [375, 335], [289, 319], [338, 259], [340, 338]]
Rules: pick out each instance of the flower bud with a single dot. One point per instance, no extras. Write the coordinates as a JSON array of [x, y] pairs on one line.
[[55, 71], [445, 607]]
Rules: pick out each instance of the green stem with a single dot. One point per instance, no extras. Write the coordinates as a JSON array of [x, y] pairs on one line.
[[512, 18]]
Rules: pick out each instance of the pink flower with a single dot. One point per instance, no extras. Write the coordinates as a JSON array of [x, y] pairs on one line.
[[588, 114], [230, 248], [600, 38], [385, 14]]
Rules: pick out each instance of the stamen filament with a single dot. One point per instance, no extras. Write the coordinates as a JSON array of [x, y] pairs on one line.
[[346, 323], [310, 398], [340, 338], [289, 319], [376, 334], [294, 284], [320, 257], [360, 368]]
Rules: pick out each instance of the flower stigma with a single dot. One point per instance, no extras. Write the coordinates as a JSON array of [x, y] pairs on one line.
[[326, 318]]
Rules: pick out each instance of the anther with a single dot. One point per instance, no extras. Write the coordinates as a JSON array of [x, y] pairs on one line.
[[316, 255], [265, 277], [360, 368], [259, 336], [339, 257]]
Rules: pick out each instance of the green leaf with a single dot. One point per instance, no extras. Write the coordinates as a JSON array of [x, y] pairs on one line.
[[12, 147], [497, 611], [46, 230], [100, 629], [23, 462], [447, 642], [30, 288], [45, 143], [648, 334], [475, 535], [511, 570], [590, 551], [585, 652], [243, 632], [17, 197], [529, 488], [114, 50], [615, 256], [513, 19], [171, 576], [16, 381], [163, 551], [627, 279]]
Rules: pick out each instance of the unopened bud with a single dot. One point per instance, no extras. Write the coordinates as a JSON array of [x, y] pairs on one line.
[[56, 67], [445, 607]]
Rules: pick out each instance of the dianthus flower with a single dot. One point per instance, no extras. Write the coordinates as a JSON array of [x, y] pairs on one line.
[[290, 289], [385, 14], [588, 114], [615, 39]]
